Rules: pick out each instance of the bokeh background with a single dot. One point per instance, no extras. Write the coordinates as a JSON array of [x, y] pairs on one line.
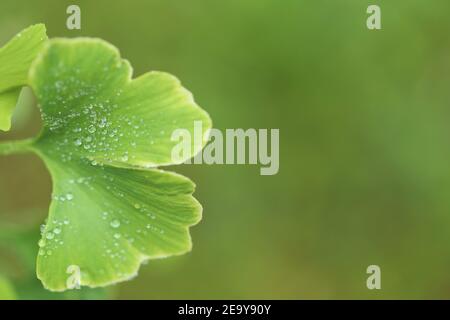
[[364, 119]]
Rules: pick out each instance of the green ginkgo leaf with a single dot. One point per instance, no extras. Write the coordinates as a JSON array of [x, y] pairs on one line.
[[15, 60], [8, 100], [104, 133]]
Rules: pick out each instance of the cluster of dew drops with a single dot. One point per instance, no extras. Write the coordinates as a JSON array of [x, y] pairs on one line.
[[115, 217], [51, 239], [92, 126]]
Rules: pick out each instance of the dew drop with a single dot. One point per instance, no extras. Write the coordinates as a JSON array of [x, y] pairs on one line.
[[102, 123], [115, 223]]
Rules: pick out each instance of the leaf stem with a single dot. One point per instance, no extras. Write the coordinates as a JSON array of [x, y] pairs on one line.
[[16, 147]]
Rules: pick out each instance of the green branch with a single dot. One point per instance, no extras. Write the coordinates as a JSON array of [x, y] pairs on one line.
[[15, 147]]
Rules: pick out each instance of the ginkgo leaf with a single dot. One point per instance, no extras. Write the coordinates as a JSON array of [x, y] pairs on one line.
[[8, 102], [106, 221], [101, 128], [15, 61], [90, 102]]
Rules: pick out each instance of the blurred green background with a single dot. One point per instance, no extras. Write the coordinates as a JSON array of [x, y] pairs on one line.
[[364, 119]]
